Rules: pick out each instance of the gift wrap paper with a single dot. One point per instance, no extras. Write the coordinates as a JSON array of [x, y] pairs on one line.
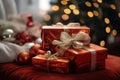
[[82, 58], [50, 33], [58, 65]]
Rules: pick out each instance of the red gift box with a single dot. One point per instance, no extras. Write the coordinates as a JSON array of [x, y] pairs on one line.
[[59, 65], [50, 33], [82, 58]]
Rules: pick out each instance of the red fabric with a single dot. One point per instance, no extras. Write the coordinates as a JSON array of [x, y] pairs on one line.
[[12, 71]]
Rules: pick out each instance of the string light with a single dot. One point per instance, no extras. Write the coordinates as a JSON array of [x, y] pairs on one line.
[[76, 11], [114, 32], [87, 3], [119, 14], [47, 17], [95, 5], [102, 43], [55, 8], [107, 29], [64, 2], [96, 13], [65, 17], [100, 1], [112, 6], [67, 11], [72, 6], [90, 14], [107, 21]]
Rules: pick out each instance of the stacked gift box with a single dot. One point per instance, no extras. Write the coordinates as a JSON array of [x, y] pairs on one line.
[[88, 57]]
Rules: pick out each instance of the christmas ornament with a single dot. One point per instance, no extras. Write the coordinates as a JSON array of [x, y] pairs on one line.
[[23, 57], [38, 41], [34, 50], [28, 46], [8, 35]]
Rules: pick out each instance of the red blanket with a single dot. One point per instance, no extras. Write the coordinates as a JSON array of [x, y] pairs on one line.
[[12, 71]]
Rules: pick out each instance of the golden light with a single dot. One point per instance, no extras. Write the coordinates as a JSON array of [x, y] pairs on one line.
[[113, 6], [72, 6], [102, 43], [100, 1], [119, 14], [76, 11], [87, 3], [96, 5], [96, 13], [67, 11], [90, 14], [107, 21], [107, 29], [65, 17], [47, 17], [114, 32], [55, 8], [64, 2]]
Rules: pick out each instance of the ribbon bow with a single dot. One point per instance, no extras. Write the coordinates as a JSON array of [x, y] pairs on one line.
[[77, 41]]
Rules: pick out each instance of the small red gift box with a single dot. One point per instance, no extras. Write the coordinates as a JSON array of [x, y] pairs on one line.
[[84, 59], [59, 65], [50, 33]]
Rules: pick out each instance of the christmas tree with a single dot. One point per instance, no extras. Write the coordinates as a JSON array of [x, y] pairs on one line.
[[102, 16]]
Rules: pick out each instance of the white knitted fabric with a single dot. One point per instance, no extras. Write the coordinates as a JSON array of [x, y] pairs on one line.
[[9, 51]]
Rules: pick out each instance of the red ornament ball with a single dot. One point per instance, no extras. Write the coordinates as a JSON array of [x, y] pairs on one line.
[[34, 50], [23, 57]]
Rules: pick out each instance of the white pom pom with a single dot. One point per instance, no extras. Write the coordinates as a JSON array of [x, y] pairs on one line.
[[38, 41]]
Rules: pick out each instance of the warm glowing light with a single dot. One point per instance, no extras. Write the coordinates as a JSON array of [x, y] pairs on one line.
[[119, 14], [65, 17], [96, 13], [87, 3], [67, 11], [47, 17], [114, 32], [102, 43], [64, 2], [55, 8], [90, 14], [76, 11], [100, 1], [95, 5], [72, 6], [107, 29], [113, 6], [107, 21]]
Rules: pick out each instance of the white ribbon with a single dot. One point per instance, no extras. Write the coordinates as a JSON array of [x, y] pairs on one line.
[[77, 41]]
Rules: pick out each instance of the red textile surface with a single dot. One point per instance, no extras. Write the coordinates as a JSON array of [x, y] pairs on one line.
[[12, 71]]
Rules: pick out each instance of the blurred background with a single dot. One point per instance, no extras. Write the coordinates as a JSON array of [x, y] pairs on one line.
[[102, 16]]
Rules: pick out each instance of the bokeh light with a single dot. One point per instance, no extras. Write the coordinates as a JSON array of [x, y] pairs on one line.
[[100, 1], [76, 11], [67, 11], [88, 4], [96, 5], [96, 13], [107, 21], [55, 8], [102, 43], [90, 14], [72, 6], [47, 17], [107, 29], [114, 32], [65, 17]]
